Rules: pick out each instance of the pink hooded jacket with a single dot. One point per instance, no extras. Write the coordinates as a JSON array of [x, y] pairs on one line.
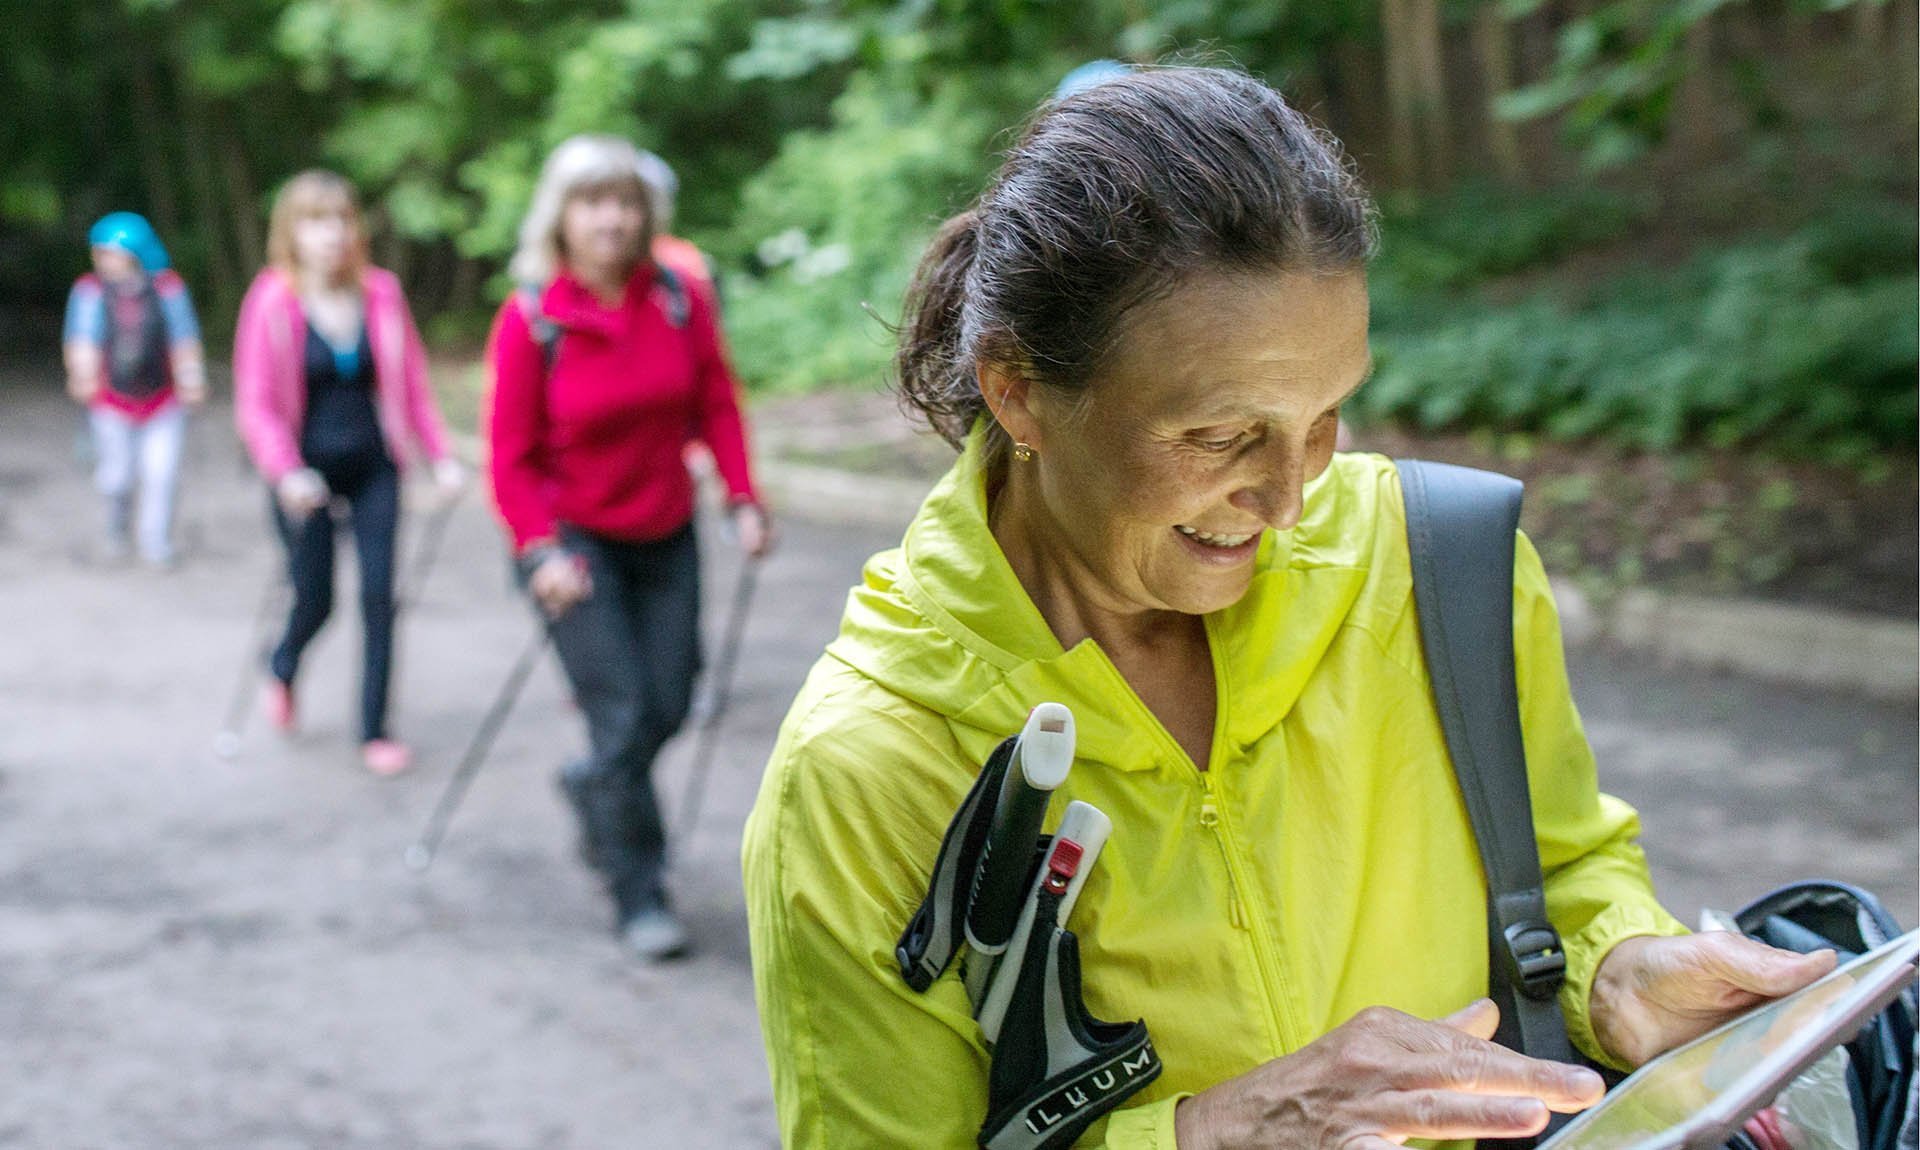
[[269, 373]]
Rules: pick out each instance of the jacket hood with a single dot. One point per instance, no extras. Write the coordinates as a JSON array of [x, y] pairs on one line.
[[943, 622]]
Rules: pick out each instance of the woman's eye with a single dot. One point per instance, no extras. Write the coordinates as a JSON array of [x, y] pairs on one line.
[[1220, 442]]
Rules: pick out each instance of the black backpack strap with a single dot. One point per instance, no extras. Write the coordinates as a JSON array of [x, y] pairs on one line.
[[674, 291], [546, 333], [1461, 526]]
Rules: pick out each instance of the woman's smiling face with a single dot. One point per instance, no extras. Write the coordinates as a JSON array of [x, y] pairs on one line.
[[1217, 406]]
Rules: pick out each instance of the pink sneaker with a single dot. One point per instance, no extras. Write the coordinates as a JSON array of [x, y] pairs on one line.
[[385, 756], [280, 709]]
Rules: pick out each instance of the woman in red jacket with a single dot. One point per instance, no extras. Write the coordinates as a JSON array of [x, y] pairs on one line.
[[604, 368]]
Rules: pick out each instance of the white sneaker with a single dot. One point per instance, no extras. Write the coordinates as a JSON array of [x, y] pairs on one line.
[[655, 935]]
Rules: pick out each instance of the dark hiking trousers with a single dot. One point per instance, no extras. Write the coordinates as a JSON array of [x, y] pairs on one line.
[[631, 652], [371, 487]]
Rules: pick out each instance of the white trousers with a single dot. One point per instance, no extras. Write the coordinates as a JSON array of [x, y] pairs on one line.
[[147, 452]]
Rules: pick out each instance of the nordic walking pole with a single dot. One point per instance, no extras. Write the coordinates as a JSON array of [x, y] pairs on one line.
[[431, 536], [226, 744], [420, 855], [704, 741]]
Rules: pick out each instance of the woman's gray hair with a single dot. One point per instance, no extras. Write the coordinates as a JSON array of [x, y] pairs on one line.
[[580, 162], [663, 186]]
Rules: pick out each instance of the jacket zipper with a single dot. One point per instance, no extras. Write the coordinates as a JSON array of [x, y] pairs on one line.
[[1266, 957], [1213, 817], [1210, 819]]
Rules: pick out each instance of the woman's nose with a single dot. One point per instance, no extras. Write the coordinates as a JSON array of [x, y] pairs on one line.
[[1275, 492]]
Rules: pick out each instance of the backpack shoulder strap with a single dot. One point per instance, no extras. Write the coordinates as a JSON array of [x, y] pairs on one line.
[[545, 332], [679, 309], [1461, 525]]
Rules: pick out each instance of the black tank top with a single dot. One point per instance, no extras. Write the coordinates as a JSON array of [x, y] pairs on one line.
[[342, 424]]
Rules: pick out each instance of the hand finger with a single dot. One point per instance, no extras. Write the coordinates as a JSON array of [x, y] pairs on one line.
[[1474, 1066], [1446, 1114], [1480, 1019], [1754, 966]]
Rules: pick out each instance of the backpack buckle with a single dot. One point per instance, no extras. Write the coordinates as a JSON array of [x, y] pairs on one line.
[[1536, 962]]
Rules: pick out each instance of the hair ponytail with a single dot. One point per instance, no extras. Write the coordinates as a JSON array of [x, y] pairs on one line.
[[933, 368]]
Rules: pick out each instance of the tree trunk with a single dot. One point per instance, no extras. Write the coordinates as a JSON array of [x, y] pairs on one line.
[[1869, 30], [1695, 130], [1396, 49], [243, 196], [1539, 140], [150, 127], [221, 270], [1434, 130], [1356, 112], [1495, 52], [1903, 45]]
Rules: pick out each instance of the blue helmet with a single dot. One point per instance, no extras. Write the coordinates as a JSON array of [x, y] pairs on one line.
[[131, 233], [1087, 75]]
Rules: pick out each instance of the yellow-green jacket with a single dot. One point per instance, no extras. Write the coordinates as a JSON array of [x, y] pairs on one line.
[[1321, 864]]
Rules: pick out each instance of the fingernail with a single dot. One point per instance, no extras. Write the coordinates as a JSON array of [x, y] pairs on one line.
[[1580, 1080], [1527, 1111]]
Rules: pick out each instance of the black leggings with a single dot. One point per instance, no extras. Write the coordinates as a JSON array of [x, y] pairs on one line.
[[371, 488], [631, 651]]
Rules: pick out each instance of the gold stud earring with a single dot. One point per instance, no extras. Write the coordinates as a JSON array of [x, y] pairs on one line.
[[1022, 451]]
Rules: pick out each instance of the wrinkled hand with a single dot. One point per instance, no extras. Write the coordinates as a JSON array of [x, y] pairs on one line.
[[1653, 994], [301, 493], [559, 582], [1382, 1078], [754, 529]]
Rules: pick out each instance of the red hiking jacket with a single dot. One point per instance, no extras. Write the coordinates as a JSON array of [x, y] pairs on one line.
[[596, 441]]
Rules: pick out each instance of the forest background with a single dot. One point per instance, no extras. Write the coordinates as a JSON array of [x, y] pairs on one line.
[[1658, 256]]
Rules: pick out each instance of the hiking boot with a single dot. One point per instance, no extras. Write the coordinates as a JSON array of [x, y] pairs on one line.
[[654, 935]]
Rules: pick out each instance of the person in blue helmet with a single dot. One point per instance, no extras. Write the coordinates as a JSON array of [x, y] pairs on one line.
[[134, 359]]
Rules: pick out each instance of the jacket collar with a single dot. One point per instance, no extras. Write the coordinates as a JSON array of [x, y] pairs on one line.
[[571, 304], [945, 623]]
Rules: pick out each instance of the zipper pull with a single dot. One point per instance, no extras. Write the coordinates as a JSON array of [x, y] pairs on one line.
[[1210, 819]]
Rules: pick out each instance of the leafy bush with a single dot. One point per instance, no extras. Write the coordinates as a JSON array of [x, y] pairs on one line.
[[835, 224], [1481, 231], [1807, 343]]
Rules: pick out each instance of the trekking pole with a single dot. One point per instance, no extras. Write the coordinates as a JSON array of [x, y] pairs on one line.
[[414, 580], [420, 855], [704, 741], [226, 743]]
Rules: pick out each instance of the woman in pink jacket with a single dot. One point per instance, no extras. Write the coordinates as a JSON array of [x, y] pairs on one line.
[[331, 397]]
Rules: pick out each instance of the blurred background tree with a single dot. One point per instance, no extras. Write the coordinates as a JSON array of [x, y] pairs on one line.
[[1644, 222]]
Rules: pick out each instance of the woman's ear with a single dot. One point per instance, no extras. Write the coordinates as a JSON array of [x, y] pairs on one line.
[[1010, 400]]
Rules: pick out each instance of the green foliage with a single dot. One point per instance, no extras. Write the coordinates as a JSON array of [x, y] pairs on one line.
[[1482, 230], [804, 321], [1806, 343], [1619, 69], [820, 142]]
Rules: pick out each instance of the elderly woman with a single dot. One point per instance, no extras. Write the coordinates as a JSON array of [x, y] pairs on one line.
[[1140, 339], [604, 367]]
